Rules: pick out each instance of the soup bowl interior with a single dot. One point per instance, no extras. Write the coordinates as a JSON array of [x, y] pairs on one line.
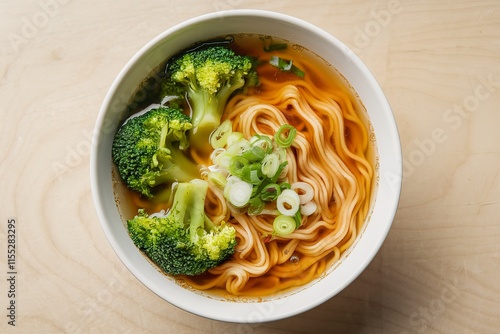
[[389, 164]]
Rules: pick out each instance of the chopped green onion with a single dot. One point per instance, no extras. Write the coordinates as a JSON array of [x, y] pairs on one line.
[[215, 153], [239, 193], [234, 137], [253, 139], [218, 179], [308, 208], [263, 142], [254, 153], [230, 181], [270, 165], [284, 225], [280, 152], [288, 202], [274, 179], [277, 62], [285, 185], [298, 219], [255, 206], [286, 65], [218, 137], [274, 46], [305, 191], [271, 212], [237, 164], [281, 167], [223, 159], [255, 177], [252, 174], [270, 192], [285, 135], [297, 71], [238, 147]]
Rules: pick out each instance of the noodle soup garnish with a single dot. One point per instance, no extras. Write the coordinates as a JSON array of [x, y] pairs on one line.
[[324, 173], [251, 175]]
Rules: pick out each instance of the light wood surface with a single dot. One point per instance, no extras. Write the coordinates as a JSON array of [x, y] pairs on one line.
[[439, 64]]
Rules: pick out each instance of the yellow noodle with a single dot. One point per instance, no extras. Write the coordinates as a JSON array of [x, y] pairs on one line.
[[330, 153]]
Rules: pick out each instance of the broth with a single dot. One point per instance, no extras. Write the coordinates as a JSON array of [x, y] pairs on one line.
[[358, 139]]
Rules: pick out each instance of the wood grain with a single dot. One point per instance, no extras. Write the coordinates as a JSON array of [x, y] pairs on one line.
[[439, 64]]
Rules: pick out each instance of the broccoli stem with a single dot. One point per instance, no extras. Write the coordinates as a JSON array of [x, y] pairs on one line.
[[176, 166], [207, 111], [189, 207]]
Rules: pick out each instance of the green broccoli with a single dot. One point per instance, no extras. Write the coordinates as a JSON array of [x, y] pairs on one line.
[[184, 241], [208, 77], [148, 150]]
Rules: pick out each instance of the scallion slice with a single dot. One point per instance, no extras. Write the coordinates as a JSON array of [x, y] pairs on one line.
[[262, 141], [298, 219], [305, 191], [218, 137], [230, 181], [270, 165], [237, 165], [215, 153], [297, 71], [308, 208], [280, 152], [239, 193], [281, 167], [285, 185], [270, 192], [286, 65], [252, 174], [254, 153], [283, 225], [234, 137], [223, 160], [285, 135], [275, 47], [288, 202], [238, 147], [218, 179], [255, 206]]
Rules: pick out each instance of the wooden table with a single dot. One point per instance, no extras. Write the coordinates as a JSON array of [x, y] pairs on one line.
[[439, 64]]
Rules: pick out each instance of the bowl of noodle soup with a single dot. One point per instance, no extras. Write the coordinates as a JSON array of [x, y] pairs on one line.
[[347, 148]]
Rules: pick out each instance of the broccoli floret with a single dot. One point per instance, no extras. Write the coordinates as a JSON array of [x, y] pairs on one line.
[[184, 241], [148, 150], [208, 77]]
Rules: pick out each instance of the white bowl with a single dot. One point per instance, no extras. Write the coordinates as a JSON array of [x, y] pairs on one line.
[[388, 148]]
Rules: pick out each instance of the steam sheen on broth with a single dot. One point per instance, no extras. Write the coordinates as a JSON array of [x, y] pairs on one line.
[[334, 151]]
